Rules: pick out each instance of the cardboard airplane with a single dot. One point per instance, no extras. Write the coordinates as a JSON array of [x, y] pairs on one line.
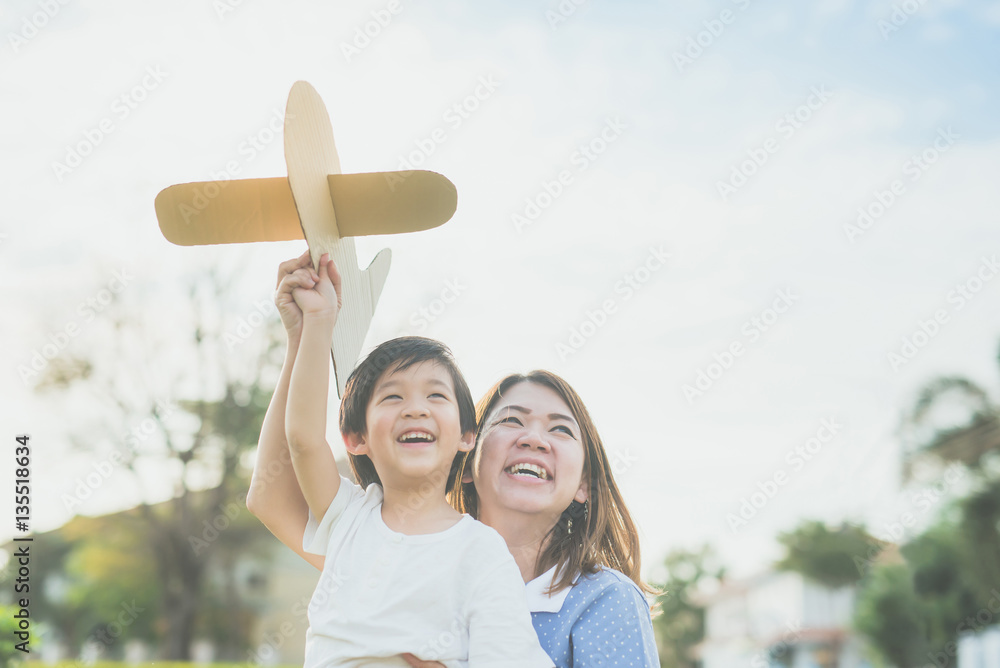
[[319, 203]]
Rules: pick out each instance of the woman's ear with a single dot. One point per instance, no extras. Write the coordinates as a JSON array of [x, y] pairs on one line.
[[356, 444], [583, 492], [468, 441]]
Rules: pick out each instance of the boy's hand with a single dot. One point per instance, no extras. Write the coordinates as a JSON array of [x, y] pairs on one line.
[[297, 273], [322, 299]]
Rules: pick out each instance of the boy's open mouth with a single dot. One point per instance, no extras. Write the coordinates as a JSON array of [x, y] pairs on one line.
[[526, 470], [416, 437]]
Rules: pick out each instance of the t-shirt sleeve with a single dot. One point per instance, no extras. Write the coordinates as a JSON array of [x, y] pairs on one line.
[[500, 629], [316, 538], [615, 630]]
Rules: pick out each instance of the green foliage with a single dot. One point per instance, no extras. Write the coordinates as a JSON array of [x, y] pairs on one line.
[[980, 527], [888, 614], [681, 622], [158, 664], [827, 556], [8, 625], [159, 572]]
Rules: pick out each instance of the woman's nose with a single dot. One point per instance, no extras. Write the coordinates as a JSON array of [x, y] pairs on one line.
[[532, 440]]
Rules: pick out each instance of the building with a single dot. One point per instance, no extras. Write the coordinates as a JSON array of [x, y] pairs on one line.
[[780, 619]]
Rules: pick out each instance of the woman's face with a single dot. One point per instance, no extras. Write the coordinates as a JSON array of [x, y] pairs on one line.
[[531, 454]]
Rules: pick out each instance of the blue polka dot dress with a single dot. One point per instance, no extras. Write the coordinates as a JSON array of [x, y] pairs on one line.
[[601, 622]]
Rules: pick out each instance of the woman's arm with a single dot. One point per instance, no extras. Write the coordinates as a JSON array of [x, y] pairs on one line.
[[274, 496], [308, 391]]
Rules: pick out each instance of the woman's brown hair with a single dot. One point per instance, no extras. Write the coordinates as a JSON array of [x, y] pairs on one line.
[[609, 536]]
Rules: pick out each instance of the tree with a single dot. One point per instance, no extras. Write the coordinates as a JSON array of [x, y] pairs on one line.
[[135, 362], [888, 614], [980, 532], [8, 641], [830, 557], [681, 622], [953, 420]]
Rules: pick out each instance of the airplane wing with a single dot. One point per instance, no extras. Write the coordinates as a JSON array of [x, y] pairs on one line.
[[245, 210]]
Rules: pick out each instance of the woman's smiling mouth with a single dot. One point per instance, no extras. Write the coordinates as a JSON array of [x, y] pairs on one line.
[[528, 471]]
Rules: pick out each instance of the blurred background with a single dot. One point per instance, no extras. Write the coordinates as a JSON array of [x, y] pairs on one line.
[[759, 239]]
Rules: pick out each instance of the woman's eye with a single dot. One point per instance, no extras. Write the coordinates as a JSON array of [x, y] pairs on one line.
[[509, 418], [565, 429]]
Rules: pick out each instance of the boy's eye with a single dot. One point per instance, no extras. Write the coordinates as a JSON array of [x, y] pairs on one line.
[[391, 396], [438, 394]]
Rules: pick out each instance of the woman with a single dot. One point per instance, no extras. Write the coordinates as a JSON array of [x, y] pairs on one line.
[[540, 477]]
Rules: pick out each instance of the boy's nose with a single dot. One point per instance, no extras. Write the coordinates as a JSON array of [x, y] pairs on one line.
[[416, 409]]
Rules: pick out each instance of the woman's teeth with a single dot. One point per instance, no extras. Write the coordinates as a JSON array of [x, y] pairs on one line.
[[528, 470]]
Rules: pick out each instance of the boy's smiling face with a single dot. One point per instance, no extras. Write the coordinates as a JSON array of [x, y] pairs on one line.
[[413, 427]]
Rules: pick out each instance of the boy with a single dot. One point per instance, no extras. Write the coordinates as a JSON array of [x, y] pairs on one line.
[[403, 571]]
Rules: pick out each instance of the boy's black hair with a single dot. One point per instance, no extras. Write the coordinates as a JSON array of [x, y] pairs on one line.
[[398, 355]]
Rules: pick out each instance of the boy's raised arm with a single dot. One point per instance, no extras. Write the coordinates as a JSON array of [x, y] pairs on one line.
[[308, 391]]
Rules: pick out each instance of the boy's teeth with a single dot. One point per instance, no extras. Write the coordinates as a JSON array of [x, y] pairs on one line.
[[528, 469], [413, 436]]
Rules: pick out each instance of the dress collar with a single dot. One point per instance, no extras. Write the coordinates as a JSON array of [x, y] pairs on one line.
[[538, 600]]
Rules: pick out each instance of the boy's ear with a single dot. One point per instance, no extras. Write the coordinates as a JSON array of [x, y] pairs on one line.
[[468, 441], [356, 444]]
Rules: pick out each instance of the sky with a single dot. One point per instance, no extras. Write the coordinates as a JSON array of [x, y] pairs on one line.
[[747, 233]]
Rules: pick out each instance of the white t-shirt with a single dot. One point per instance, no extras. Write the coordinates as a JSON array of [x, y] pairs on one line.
[[455, 596]]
